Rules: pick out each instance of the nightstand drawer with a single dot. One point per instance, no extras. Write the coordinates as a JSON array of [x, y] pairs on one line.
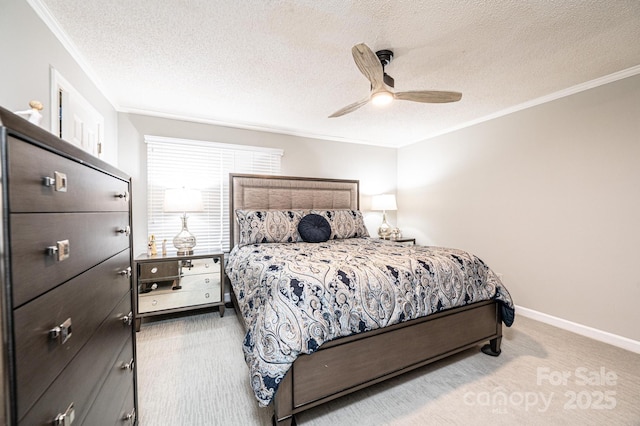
[[194, 290], [161, 302], [201, 282], [160, 271], [201, 266]]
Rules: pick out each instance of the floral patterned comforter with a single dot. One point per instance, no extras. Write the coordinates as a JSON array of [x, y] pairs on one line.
[[296, 296]]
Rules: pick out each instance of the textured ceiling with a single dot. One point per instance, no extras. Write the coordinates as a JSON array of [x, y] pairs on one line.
[[286, 65]]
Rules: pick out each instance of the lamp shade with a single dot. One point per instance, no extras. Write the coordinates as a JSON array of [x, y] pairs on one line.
[[183, 200], [384, 202]]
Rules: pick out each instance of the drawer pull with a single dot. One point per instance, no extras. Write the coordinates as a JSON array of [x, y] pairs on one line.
[[130, 417], [126, 230], [124, 195], [129, 365], [58, 181], [66, 418], [126, 272], [127, 319], [60, 250], [61, 333]]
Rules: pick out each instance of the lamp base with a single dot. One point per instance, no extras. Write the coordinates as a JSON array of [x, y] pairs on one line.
[[384, 231], [185, 241]]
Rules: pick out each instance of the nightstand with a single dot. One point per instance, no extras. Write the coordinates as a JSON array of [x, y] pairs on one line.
[[172, 283], [405, 240], [412, 241]]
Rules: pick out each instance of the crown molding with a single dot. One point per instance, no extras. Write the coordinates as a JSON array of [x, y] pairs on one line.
[[629, 72], [249, 126]]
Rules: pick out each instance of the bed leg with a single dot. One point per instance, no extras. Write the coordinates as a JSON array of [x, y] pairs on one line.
[[283, 402], [291, 421], [493, 347]]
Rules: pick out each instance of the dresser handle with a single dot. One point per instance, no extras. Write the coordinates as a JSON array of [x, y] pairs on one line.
[[60, 250], [126, 230], [66, 418], [126, 272], [61, 333], [130, 417], [124, 195], [127, 319], [129, 365], [58, 181]]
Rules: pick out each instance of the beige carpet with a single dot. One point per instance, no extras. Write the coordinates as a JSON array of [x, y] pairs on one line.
[[191, 371]]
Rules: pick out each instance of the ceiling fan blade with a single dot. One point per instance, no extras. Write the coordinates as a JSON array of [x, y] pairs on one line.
[[349, 108], [368, 64], [428, 96]]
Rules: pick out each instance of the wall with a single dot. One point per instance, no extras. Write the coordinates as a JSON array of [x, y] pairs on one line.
[[548, 196], [375, 167], [29, 50]]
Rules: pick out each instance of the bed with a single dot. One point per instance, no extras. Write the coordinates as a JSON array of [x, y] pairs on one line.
[[327, 318]]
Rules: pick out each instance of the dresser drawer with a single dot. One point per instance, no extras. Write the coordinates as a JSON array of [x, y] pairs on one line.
[[115, 400], [86, 300], [159, 271], [104, 355], [87, 189], [92, 237], [128, 415]]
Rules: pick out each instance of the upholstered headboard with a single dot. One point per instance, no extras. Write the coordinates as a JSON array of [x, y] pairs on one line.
[[288, 192]]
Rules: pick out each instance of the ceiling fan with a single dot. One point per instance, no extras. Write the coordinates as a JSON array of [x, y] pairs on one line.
[[372, 66]]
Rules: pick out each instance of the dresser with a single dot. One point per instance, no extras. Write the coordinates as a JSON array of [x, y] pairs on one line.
[[68, 355], [174, 283]]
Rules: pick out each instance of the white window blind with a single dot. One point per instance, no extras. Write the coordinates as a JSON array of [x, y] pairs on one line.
[[205, 166]]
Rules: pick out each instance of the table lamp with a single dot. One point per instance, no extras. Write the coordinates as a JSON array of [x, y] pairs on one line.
[[384, 202]]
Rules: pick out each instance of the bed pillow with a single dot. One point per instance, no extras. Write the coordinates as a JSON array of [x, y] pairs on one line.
[[314, 228], [269, 226], [344, 223]]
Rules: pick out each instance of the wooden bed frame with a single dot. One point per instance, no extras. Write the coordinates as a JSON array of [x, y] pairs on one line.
[[352, 363]]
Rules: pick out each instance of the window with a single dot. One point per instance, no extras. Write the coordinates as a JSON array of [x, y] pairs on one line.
[[205, 166]]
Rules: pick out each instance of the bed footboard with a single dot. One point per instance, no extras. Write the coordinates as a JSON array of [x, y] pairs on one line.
[[355, 362]]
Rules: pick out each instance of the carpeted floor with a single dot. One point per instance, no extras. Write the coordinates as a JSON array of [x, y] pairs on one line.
[[191, 371]]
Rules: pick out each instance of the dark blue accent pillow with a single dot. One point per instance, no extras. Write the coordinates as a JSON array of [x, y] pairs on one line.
[[314, 228]]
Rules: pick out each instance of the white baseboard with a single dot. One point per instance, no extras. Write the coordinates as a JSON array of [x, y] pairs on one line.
[[594, 333]]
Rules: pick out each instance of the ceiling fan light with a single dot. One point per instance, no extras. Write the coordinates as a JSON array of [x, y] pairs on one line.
[[382, 98]]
